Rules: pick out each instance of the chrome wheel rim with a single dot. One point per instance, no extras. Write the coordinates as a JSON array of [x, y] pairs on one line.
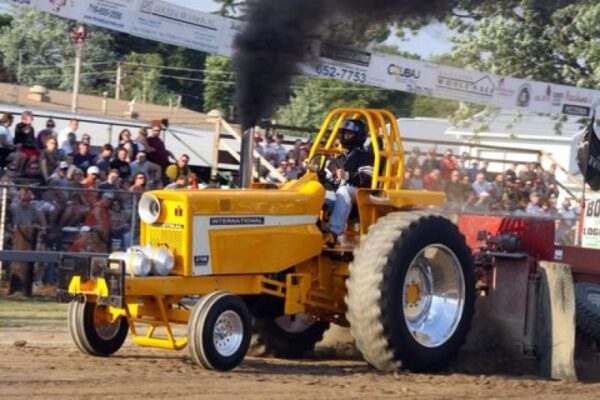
[[433, 295], [228, 333], [295, 323], [104, 329]]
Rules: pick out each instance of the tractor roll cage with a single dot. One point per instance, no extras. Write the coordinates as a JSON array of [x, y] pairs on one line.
[[385, 138]]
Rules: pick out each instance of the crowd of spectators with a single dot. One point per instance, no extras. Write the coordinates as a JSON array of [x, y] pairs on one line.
[[521, 189], [96, 187], [73, 184]]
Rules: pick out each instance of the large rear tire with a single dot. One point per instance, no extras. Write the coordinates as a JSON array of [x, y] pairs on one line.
[[411, 292], [587, 303], [91, 330], [288, 336]]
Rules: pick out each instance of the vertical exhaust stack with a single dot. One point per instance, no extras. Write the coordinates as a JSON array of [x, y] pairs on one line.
[[247, 158]]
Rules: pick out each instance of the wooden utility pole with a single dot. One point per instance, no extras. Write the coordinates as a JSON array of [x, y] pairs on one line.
[[78, 36], [118, 82]]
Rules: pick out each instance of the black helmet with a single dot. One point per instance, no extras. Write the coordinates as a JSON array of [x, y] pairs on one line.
[[359, 130]]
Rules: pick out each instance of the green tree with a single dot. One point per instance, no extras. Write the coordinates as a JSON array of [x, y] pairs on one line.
[[550, 41], [218, 85], [42, 44], [313, 98], [141, 78]]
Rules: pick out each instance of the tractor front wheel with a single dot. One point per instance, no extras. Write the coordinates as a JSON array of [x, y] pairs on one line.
[[219, 331], [411, 292], [93, 331], [288, 336]]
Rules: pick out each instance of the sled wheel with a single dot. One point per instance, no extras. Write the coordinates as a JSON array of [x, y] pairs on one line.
[[587, 303], [288, 336], [411, 292], [219, 331], [92, 330]]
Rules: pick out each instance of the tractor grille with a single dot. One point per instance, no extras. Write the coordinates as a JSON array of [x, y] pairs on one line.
[[171, 239]]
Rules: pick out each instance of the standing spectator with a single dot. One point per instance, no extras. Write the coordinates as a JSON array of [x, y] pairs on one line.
[[480, 185], [69, 146], [497, 187], [121, 163], [25, 136], [83, 159], [180, 168], [6, 138], [119, 223], [533, 207], [448, 165], [63, 135], [103, 159], [469, 205], [412, 161], [142, 140], [50, 158], [455, 192], [279, 150], [157, 153], [433, 181], [78, 205], [126, 143], [98, 219], [565, 231], [44, 134], [430, 163]]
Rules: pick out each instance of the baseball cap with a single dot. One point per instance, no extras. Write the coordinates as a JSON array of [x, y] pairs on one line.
[[63, 165], [93, 170]]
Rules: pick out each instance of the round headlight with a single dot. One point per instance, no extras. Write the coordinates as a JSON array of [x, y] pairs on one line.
[[149, 208]]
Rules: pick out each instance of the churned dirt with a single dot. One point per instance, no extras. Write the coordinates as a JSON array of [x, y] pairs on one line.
[[38, 360]]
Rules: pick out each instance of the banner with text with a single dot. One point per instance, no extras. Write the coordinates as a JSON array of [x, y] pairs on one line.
[[165, 22]]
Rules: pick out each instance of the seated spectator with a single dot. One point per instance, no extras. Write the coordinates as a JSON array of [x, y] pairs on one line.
[[526, 173], [292, 171], [415, 182], [63, 135], [483, 203], [84, 159], [103, 160], [56, 195], [7, 144], [86, 138], [139, 183], [278, 148], [50, 158], [533, 208], [92, 181], [180, 183], [511, 171], [68, 147], [121, 163], [473, 171], [431, 162], [469, 205], [44, 134], [32, 169], [111, 182], [120, 223], [78, 205], [480, 185], [433, 181], [125, 142], [180, 168], [25, 136], [549, 208], [412, 161]]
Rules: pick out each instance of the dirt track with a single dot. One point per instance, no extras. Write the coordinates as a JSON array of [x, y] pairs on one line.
[[48, 366]]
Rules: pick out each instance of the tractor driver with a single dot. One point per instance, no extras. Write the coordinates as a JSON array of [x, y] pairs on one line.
[[346, 173]]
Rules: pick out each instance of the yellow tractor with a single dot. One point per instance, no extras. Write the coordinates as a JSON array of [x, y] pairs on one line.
[[401, 278]]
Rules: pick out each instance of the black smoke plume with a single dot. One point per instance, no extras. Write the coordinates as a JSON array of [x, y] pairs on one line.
[[273, 43]]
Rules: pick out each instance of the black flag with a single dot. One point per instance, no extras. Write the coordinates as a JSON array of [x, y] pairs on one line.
[[588, 156]]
